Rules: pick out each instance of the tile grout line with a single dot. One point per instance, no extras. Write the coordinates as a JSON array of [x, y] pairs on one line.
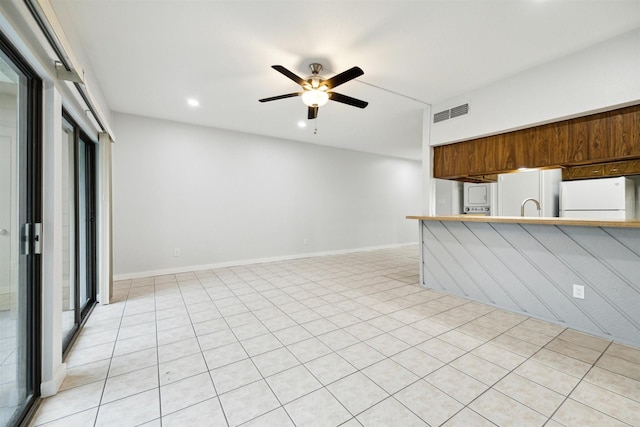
[[104, 386], [224, 413], [252, 362], [302, 364], [568, 396], [294, 279], [155, 311]]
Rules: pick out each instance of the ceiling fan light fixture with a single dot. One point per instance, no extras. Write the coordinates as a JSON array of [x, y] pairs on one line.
[[315, 98]]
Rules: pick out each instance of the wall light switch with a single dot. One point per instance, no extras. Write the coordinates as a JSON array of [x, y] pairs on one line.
[[176, 252], [578, 291]]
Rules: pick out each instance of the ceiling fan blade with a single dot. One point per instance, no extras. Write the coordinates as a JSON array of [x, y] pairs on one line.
[[343, 77], [289, 74], [313, 113], [274, 98], [347, 100]]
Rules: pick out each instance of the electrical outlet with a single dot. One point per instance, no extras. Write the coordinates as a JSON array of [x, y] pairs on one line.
[[578, 291], [176, 252]]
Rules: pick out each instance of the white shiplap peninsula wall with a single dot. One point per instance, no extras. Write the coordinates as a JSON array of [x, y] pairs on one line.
[[531, 269]]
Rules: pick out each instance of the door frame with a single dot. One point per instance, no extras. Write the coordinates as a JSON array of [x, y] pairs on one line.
[[81, 313], [32, 127]]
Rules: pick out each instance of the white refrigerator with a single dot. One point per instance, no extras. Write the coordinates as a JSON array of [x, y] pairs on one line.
[[602, 198]]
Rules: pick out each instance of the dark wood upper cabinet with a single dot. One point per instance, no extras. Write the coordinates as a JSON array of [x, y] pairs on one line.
[[597, 138], [561, 149], [578, 143], [512, 150], [484, 158], [543, 143], [600, 147], [624, 133], [446, 161]]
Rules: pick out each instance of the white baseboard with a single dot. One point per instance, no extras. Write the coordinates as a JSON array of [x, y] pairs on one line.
[[176, 270], [51, 387]]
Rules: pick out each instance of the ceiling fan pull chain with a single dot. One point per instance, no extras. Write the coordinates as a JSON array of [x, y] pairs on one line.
[[315, 131]]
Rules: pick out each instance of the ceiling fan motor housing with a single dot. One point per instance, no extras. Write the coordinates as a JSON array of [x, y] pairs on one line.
[[315, 68], [315, 81]]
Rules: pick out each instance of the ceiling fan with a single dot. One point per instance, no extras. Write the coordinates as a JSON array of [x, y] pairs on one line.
[[317, 90]]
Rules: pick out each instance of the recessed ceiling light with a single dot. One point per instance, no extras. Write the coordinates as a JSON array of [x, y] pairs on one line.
[[302, 124], [193, 102]]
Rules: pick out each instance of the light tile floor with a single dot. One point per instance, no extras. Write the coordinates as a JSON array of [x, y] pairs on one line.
[[348, 340], [9, 361]]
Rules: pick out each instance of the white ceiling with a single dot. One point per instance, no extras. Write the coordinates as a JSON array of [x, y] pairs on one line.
[[150, 56]]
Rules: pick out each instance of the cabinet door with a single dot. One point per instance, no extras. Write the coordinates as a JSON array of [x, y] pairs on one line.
[[474, 154], [598, 129], [629, 167], [525, 147], [506, 156], [463, 153], [578, 146], [439, 162], [446, 161], [579, 172], [560, 148], [481, 155], [546, 140], [624, 132]]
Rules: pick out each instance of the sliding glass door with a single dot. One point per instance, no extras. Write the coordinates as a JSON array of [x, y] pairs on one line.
[[68, 232], [79, 237], [86, 224], [20, 219]]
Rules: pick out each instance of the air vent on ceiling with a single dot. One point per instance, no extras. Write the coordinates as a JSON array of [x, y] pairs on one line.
[[454, 112]]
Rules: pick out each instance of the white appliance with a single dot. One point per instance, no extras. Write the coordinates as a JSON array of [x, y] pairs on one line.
[[539, 187], [479, 199], [603, 198], [448, 197]]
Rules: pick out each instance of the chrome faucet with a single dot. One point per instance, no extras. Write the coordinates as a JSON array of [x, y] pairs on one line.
[[524, 202]]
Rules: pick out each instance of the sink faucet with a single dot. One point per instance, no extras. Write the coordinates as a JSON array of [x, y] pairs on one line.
[[524, 202]]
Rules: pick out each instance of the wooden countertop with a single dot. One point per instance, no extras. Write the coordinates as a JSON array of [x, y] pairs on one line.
[[633, 223]]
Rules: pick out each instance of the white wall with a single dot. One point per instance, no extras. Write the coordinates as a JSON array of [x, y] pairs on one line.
[[223, 197], [598, 78]]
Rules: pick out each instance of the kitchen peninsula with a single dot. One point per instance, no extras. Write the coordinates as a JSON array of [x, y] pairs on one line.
[[540, 267]]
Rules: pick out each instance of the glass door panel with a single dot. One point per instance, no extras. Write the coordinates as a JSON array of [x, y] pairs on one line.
[[87, 219], [17, 278], [84, 225], [68, 233], [79, 244]]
